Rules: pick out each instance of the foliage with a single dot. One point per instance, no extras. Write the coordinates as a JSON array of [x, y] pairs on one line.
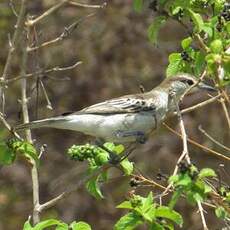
[[97, 156], [9, 149], [59, 225], [207, 46]]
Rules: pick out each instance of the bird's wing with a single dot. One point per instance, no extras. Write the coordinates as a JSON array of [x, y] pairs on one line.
[[126, 104]]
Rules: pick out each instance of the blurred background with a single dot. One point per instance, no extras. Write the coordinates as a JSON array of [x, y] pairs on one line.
[[117, 58]]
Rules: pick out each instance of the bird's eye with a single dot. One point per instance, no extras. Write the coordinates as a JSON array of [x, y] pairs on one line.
[[190, 82]]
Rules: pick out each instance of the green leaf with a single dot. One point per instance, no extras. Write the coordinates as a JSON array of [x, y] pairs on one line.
[[197, 20], [197, 197], [176, 195], [220, 212], [166, 212], [81, 225], [184, 180], [154, 28], [138, 5], [119, 149], [207, 172], [62, 226], [199, 63], [186, 43], [216, 46], [7, 155], [94, 189], [27, 226], [128, 222], [102, 158], [175, 64], [127, 166], [156, 226], [125, 204], [47, 223], [148, 202]]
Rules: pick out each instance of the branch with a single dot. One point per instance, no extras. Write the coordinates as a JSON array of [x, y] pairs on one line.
[[103, 5], [185, 153], [199, 105], [201, 211], [13, 46], [212, 139], [32, 22], [222, 101], [34, 171], [215, 153], [81, 182], [67, 31], [41, 72]]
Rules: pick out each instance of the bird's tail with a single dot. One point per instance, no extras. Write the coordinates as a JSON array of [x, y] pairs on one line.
[[49, 122]]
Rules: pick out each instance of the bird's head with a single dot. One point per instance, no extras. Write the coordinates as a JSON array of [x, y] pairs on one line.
[[180, 83]]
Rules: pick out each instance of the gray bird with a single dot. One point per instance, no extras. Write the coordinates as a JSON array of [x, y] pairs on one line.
[[130, 118]]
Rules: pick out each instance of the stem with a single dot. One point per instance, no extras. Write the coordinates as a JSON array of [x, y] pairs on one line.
[[34, 172], [13, 46]]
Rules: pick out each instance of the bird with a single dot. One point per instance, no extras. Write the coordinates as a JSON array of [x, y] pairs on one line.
[[126, 119]]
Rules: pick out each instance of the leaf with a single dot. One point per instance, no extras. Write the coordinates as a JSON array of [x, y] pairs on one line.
[[119, 149], [127, 166], [184, 180], [81, 225], [197, 197], [29, 151], [216, 46], [62, 226], [220, 212], [175, 64], [94, 189], [176, 195], [207, 172], [47, 223], [125, 204], [7, 155], [27, 226], [166, 212], [156, 226], [128, 222], [199, 62], [154, 28], [197, 20], [138, 5], [186, 42], [148, 202]]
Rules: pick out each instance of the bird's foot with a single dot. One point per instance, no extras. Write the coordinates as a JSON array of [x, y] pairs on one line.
[[139, 135]]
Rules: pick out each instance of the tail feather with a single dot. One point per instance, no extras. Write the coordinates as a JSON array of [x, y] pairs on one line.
[[38, 124]]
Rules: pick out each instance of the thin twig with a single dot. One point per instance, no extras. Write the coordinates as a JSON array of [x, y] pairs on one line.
[[225, 111], [67, 32], [185, 153], [212, 139], [201, 211], [32, 22], [42, 73], [103, 5], [199, 105], [53, 201], [215, 153], [13, 46]]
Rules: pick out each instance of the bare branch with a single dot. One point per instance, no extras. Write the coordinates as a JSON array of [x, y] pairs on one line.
[[32, 22], [212, 139], [199, 105], [67, 32], [73, 3], [75, 187], [222, 101], [206, 149], [201, 211], [41, 72], [13, 46]]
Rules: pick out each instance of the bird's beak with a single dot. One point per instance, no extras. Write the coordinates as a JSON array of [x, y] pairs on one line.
[[202, 85]]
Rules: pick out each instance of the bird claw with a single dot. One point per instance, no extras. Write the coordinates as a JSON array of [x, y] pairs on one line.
[[140, 136]]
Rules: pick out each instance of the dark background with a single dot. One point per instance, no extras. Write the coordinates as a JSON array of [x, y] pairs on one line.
[[117, 58]]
